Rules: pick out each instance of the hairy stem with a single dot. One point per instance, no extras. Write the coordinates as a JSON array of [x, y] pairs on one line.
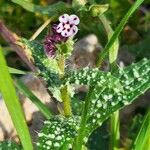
[[66, 101], [64, 91]]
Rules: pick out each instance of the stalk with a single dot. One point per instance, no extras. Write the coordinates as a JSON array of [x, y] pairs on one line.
[[80, 138], [64, 91], [113, 53]]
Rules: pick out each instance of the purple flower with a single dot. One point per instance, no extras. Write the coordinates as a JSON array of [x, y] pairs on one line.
[[67, 26], [60, 33]]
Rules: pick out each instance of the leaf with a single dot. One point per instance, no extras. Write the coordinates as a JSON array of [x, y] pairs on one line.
[[12, 102], [113, 52], [48, 67], [142, 140], [111, 92], [117, 32], [135, 80], [16, 71], [58, 133], [42, 107], [88, 76], [9, 145], [51, 10]]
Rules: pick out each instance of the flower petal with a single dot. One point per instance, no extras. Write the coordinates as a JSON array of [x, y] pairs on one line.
[[65, 33], [74, 30], [59, 28], [73, 19], [64, 18]]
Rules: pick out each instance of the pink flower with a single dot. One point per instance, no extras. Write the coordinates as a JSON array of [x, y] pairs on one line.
[[68, 25]]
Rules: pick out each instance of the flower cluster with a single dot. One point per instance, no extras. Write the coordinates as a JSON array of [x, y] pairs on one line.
[[60, 33], [67, 26]]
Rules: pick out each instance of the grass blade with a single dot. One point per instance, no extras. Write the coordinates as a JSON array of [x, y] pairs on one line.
[[24, 89], [16, 71], [117, 32], [10, 97], [142, 141]]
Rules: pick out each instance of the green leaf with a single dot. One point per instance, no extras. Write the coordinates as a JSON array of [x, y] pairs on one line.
[[117, 32], [111, 92], [142, 140], [48, 67], [135, 80], [89, 76], [9, 145], [13, 105], [53, 10], [113, 52], [42, 107], [16, 71], [58, 133]]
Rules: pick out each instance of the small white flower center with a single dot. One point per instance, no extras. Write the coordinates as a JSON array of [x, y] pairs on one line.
[[67, 26]]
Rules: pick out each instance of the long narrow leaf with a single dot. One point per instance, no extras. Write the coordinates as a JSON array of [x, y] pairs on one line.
[[13, 105], [24, 89], [16, 71], [142, 142], [118, 31]]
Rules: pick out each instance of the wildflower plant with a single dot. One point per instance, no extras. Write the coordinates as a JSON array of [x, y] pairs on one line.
[[107, 91]]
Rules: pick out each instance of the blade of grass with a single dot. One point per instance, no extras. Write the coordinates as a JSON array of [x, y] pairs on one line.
[[16, 71], [25, 90], [142, 141], [117, 32], [10, 97], [40, 29]]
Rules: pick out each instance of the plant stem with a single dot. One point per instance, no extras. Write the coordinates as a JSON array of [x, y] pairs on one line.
[[113, 53], [64, 91], [80, 138], [40, 29], [115, 133], [66, 101]]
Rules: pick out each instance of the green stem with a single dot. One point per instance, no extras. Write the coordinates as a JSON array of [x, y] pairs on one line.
[[66, 101], [64, 91], [115, 133], [81, 132], [41, 28], [113, 53]]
